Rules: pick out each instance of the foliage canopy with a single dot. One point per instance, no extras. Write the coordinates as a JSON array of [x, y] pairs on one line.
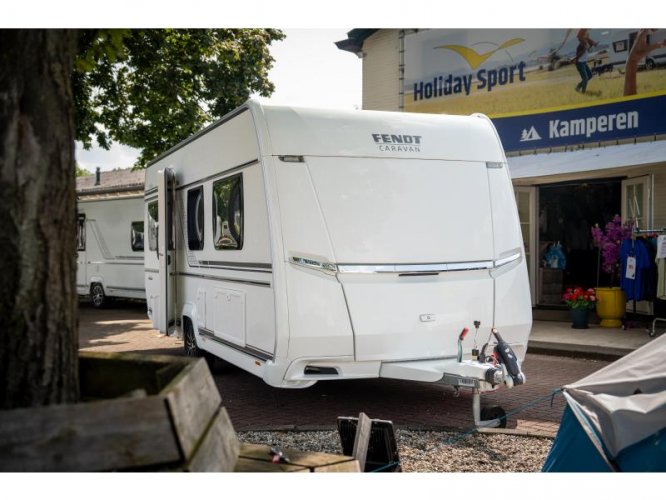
[[152, 88]]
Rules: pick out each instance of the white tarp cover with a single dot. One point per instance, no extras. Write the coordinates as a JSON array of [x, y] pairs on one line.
[[626, 400]]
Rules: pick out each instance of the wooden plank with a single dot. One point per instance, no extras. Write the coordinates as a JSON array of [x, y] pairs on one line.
[[350, 465], [309, 459], [193, 400], [362, 439], [96, 436], [250, 465], [218, 449]]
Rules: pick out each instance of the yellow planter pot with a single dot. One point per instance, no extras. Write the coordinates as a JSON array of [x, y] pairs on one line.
[[611, 305]]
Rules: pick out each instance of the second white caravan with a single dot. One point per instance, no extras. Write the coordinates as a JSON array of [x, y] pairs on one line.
[[305, 245]]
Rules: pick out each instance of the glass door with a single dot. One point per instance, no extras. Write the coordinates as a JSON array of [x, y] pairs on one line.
[[637, 207], [526, 201], [637, 201]]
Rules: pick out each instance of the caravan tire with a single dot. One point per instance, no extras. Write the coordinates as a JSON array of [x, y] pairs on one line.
[[192, 349], [190, 342], [97, 295]]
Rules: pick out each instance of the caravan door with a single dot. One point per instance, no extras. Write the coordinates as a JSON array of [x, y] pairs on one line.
[[165, 319]]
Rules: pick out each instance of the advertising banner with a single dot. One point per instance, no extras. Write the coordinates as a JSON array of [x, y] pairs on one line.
[[542, 87]]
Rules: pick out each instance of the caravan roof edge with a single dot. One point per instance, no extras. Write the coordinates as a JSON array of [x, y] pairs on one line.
[[232, 114]]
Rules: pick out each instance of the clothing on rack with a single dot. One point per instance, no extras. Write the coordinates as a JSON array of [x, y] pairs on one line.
[[661, 268], [637, 281]]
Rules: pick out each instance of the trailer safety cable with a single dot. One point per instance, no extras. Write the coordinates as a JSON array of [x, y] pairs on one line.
[[529, 405], [385, 466]]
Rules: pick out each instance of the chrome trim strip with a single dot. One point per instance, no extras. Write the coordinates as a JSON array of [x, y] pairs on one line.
[[314, 264], [253, 267], [255, 353], [230, 280], [426, 268], [507, 260]]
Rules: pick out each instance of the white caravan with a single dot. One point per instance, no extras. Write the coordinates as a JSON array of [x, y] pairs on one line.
[[305, 245], [110, 248], [623, 40]]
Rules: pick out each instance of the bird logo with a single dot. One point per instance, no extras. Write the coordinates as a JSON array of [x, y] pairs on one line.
[[473, 58]]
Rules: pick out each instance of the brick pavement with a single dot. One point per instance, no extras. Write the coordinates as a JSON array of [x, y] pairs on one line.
[[253, 405]]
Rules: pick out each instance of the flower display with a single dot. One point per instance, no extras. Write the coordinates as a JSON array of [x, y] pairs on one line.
[[608, 241], [580, 298]]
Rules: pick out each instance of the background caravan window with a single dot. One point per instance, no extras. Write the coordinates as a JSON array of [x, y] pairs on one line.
[[195, 219], [81, 233], [228, 213], [152, 225], [136, 236]]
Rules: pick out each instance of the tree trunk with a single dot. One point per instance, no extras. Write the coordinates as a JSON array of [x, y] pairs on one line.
[[38, 301]]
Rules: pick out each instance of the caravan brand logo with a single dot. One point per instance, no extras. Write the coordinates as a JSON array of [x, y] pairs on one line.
[[483, 79], [398, 143]]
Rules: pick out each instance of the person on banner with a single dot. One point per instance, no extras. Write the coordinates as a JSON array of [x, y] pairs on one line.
[[582, 58]]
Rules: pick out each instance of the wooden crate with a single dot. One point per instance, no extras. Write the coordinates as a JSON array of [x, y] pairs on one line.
[[136, 412]]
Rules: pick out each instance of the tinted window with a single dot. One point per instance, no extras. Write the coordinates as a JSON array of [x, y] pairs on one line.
[[152, 225], [228, 213], [81, 233], [195, 219], [136, 236]]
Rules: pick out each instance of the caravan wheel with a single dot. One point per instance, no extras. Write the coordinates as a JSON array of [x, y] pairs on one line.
[[97, 295], [190, 342]]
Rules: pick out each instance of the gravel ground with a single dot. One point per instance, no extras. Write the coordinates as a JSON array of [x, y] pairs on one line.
[[430, 451]]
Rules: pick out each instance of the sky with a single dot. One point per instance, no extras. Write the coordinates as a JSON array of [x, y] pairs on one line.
[[309, 70]]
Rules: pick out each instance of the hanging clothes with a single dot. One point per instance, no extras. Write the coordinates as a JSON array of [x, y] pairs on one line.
[[661, 267], [634, 268]]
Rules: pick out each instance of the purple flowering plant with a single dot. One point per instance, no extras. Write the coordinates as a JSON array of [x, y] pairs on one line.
[[608, 241]]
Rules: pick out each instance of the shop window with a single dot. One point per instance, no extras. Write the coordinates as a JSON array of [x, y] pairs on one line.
[[228, 213], [81, 233], [152, 225], [136, 236], [195, 219]]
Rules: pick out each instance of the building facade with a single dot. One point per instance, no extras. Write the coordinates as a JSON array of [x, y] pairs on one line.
[[581, 115]]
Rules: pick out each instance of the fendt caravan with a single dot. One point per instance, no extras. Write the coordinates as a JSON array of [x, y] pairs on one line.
[[110, 236], [305, 245]]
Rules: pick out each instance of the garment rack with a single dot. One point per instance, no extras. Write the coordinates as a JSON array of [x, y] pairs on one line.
[[637, 232]]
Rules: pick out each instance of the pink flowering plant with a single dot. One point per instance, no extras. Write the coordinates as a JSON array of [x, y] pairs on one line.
[[608, 241], [579, 298]]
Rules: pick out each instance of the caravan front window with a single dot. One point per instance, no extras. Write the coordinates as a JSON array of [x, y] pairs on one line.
[[136, 236], [228, 213], [152, 225]]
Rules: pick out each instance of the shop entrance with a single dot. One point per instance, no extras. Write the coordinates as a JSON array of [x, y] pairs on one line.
[[567, 212]]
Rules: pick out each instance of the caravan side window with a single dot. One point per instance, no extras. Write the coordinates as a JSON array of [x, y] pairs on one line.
[[152, 226], [228, 213], [136, 236], [195, 219], [81, 233]]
